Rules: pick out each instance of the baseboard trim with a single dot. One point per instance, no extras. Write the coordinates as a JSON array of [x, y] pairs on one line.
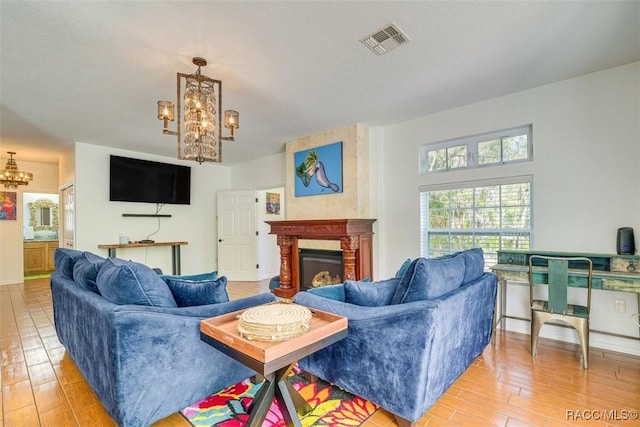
[[596, 340]]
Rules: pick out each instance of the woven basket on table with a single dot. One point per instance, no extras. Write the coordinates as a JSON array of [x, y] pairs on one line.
[[274, 322]]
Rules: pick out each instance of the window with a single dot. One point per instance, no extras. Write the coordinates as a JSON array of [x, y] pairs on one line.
[[494, 148], [490, 214]]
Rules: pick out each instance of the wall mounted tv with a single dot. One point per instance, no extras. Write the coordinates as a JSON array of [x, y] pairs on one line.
[[135, 180]]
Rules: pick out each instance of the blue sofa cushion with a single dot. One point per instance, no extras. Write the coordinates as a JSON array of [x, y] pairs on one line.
[[195, 277], [435, 277], [370, 294], [189, 293], [274, 283], [128, 282], [64, 260], [85, 271], [334, 292], [474, 264]]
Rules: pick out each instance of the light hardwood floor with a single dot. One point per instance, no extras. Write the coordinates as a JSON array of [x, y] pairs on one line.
[[504, 386]]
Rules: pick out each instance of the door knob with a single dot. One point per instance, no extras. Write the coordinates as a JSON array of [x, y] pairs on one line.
[[219, 240]]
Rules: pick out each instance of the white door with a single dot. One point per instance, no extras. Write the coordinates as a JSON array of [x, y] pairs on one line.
[[237, 235]]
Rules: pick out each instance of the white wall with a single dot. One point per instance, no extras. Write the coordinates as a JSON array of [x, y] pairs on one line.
[[586, 142], [45, 180], [268, 172], [99, 221]]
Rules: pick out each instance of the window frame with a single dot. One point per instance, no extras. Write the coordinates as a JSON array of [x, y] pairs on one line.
[[472, 142], [490, 256]]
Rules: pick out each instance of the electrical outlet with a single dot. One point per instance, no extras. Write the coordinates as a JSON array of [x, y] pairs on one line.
[[619, 306]]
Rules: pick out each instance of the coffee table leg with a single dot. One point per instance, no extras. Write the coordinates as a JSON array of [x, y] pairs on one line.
[[301, 406], [291, 404], [262, 402]]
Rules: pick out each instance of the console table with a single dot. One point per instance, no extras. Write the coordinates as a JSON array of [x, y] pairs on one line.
[[175, 250], [610, 272], [356, 242]]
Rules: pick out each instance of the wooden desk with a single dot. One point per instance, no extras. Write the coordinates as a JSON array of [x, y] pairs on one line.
[[620, 273], [273, 360], [175, 250]]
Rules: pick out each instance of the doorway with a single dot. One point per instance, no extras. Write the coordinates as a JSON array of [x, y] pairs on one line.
[[246, 250], [39, 233], [237, 237]]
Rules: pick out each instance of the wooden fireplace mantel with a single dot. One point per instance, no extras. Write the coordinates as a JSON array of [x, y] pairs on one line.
[[356, 241]]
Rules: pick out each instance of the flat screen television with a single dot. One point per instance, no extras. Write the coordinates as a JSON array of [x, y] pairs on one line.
[[135, 180]]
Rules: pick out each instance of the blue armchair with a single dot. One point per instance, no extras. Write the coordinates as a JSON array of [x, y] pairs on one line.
[[409, 338]]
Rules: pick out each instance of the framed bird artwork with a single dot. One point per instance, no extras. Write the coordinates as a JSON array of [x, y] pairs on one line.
[[318, 170]]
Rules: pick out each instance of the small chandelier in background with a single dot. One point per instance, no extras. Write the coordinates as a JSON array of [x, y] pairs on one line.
[[11, 177], [199, 129]]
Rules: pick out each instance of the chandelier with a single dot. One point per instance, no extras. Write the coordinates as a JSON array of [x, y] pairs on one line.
[[11, 177], [199, 122]]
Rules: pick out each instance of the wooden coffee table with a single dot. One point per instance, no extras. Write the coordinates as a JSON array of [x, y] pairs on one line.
[[274, 360]]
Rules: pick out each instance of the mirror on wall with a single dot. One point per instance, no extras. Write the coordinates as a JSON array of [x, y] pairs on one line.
[[44, 215], [41, 216]]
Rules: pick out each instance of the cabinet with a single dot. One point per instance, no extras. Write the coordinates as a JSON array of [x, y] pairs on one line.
[[39, 256]]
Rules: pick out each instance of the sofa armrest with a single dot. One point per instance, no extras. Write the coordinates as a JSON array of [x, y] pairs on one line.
[[203, 311], [386, 348], [356, 312], [165, 343], [465, 320]]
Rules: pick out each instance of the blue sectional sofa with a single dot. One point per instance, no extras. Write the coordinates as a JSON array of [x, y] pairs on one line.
[[410, 337], [138, 348]]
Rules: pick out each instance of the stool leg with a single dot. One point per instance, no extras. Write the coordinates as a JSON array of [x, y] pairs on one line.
[[583, 335], [536, 324]]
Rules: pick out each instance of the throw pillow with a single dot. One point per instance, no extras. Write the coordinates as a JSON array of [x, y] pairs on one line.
[[406, 278], [403, 268], [128, 282], [274, 283], [370, 294], [334, 292], [188, 293], [435, 277], [85, 271], [196, 277], [64, 260], [474, 264]]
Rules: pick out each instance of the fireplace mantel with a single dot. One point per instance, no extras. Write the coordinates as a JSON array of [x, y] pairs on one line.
[[355, 236]]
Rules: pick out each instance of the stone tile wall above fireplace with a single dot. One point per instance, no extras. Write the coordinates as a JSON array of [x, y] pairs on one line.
[[353, 202]]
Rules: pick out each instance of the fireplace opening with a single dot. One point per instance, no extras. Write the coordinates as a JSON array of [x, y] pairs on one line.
[[319, 267]]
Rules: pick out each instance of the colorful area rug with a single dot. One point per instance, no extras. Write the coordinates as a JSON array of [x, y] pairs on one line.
[[331, 405]]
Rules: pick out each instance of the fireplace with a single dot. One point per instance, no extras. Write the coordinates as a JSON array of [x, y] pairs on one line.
[[319, 267], [356, 242]]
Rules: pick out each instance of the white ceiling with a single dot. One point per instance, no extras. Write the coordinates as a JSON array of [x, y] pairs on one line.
[[92, 71]]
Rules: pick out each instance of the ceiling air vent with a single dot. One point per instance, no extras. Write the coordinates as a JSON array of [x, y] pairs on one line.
[[385, 39]]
